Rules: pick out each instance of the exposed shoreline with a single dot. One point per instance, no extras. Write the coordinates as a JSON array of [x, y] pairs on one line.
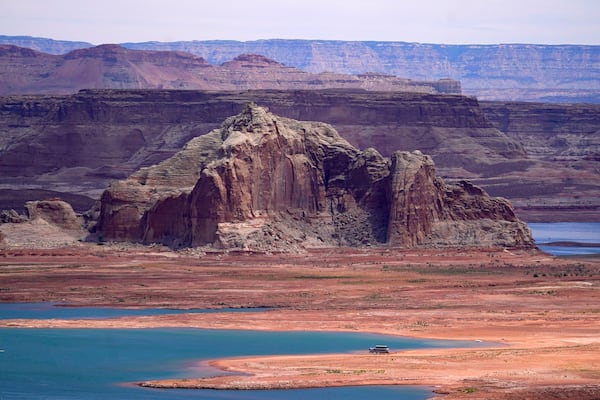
[[541, 310]]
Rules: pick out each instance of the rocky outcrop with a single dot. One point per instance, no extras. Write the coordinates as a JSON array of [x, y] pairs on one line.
[[46, 224], [268, 182], [425, 210], [12, 217], [112, 66], [56, 212], [53, 211]]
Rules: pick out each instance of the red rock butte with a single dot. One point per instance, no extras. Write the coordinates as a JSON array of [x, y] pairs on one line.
[[261, 181]]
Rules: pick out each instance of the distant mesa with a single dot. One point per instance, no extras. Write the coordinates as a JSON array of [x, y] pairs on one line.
[[97, 51], [500, 72], [112, 66], [117, 53], [264, 182]]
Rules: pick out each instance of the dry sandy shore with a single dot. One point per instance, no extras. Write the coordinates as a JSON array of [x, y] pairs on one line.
[[543, 313]]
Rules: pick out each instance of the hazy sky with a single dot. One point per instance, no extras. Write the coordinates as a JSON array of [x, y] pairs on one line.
[[425, 21]]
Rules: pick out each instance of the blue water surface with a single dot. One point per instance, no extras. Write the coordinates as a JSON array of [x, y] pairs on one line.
[[102, 363], [579, 232]]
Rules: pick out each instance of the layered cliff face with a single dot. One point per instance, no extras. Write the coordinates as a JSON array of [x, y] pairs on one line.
[[262, 181], [564, 142], [112, 133], [533, 154]]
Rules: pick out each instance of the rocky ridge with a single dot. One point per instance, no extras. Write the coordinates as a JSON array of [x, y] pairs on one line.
[[45, 45], [266, 182]]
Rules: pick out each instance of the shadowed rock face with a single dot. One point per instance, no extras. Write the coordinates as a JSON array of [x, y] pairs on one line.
[[263, 181], [563, 143]]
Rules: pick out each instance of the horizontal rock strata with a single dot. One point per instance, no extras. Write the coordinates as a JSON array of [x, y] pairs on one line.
[[534, 154]]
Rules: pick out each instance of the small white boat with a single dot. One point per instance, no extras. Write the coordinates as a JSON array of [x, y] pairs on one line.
[[379, 349]]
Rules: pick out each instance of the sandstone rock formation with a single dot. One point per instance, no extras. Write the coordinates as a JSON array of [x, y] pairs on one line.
[[56, 212], [267, 182], [114, 67], [46, 224]]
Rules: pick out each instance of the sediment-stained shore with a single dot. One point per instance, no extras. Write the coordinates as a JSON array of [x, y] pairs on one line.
[[539, 314]]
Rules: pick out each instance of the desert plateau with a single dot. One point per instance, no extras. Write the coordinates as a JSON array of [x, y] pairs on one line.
[[380, 189]]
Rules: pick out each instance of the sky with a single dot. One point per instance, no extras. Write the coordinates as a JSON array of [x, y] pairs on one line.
[[424, 21]]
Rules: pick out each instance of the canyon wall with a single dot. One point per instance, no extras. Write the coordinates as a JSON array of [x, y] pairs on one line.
[[94, 136], [78, 144], [564, 142]]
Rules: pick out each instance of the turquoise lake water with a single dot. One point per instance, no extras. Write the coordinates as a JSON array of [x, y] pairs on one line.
[[99, 363], [104, 363], [578, 232], [95, 364]]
